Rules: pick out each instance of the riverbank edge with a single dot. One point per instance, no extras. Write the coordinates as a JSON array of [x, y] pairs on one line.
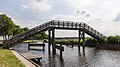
[[101, 46], [23, 60], [109, 46], [98, 46]]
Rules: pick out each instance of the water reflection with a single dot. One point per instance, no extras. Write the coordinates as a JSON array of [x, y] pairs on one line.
[[73, 58]]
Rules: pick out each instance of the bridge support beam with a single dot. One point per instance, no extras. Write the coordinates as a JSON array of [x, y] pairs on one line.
[[81, 37], [49, 41], [53, 41], [79, 32], [60, 50]]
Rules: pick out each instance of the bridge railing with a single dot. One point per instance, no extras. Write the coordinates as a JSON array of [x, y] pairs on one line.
[[55, 23], [69, 24], [29, 32], [93, 31]]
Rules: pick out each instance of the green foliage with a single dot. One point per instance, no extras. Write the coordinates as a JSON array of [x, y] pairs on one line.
[[6, 25], [25, 29], [17, 29], [105, 41], [113, 39], [42, 35], [91, 40], [8, 28]]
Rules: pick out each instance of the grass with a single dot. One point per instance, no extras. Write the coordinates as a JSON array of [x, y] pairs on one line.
[[8, 59], [33, 41]]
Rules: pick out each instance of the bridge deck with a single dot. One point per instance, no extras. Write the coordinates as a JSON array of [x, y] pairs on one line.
[[55, 24]]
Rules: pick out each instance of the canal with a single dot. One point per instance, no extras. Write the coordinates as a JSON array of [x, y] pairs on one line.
[[72, 58]]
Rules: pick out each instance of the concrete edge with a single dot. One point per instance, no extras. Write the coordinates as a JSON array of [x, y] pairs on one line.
[[23, 60]]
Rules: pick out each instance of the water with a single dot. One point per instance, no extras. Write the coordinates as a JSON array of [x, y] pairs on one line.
[[72, 58]]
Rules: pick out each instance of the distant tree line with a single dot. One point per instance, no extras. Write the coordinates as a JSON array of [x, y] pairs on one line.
[[107, 40], [8, 28], [112, 40], [92, 41]]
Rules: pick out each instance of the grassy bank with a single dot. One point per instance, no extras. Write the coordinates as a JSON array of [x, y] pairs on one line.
[[8, 59], [32, 41]]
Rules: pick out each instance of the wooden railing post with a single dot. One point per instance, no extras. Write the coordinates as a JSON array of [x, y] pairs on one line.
[[76, 25], [72, 24], [58, 24], [63, 24], [68, 24], [80, 25]]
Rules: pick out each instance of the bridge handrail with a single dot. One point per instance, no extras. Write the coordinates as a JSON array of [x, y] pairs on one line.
[[55, 23], [28, 32], [69, 24], [93, 31]]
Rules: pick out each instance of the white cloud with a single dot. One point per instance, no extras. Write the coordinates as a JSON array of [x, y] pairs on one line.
[[96, 23], [0, 12], [71, 18], [117, 17], [42, 5], [22, 23], [97, 7], [78, 4], [24, 7], [79, 16], [104, 9], [97, 13], [37, 5]]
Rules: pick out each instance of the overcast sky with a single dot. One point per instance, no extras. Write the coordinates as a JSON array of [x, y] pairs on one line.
[[103, 15]]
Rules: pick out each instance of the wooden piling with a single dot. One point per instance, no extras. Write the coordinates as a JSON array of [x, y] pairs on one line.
[[49, 40], [60, 50], [79, 40], [83, 38], [53, 41]]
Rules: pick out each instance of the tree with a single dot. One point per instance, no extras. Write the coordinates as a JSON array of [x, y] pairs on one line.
[[6, 26], [25, 29], [17, 29]]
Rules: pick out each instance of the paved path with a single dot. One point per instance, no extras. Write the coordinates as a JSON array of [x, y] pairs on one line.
[[23, 60]]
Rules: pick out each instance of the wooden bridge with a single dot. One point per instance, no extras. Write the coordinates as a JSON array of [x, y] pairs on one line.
[[51, 26]]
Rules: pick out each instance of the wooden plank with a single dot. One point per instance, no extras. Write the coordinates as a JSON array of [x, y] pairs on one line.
[[36, 44], [34, 57], [31, 56], [60, 48]]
